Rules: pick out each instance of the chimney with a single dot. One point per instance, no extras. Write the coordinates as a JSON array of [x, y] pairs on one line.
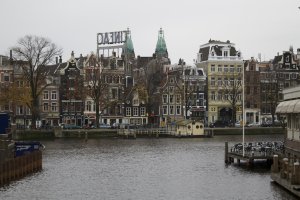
[[10, 57], [298, 53], [56, 60], [60, 59]]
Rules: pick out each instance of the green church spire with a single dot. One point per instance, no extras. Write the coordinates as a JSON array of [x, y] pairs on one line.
[[128, 44], [161, 47]]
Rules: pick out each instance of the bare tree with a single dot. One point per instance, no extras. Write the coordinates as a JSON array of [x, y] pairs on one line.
[[232, 89], [32, 53], [272, 92], [97, 87]]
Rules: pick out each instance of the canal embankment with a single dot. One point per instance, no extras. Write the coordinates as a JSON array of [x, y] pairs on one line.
[[57, 132]]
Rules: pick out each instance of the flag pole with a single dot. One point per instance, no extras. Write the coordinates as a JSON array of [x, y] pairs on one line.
[[243, 118]]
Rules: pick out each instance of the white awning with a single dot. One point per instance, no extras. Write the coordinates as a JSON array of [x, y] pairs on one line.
[[292, 106]]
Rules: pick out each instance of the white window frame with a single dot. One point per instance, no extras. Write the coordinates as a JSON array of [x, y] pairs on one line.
[[128, 111], [54, 107], [142, 111], [54, 95], [135, 111], [46, 95], [45, 107]]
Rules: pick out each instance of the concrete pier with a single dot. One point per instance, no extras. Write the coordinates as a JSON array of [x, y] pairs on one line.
[[249, 157], [286, 173]]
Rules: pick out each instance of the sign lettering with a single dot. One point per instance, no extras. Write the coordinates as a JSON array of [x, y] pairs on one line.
[[111, 37]]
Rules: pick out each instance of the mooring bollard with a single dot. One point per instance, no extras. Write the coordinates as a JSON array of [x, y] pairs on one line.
[[226, 153]]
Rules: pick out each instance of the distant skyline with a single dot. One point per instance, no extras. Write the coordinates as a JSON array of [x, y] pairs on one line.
[[255, 26]]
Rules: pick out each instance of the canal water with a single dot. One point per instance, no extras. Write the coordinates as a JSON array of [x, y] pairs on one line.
[[164, 168]]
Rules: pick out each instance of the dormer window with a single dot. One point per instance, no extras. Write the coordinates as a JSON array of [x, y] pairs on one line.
[[212, 53], [225, 53]]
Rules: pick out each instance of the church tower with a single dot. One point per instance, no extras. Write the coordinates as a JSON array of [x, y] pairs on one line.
[[161, 47]]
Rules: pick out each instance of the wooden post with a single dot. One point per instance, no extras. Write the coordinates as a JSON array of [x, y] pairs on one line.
[[86, 136], [1, 174], [275, 166], [296, 174], [226, 153], [284, 167]]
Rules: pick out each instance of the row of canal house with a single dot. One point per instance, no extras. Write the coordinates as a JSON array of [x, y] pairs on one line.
[[136, 90], [264, 82], [142, 90]]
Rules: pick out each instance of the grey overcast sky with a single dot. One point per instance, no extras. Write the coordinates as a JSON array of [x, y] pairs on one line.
[[255, 26]]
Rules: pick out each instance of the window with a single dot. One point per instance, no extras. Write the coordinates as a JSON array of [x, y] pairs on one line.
[[226, 96], [239, 68], [287, 76], [251, 67], [53, 107], [225, 68], [226, 82], [225, 53], [213, 96], [219, 68], [231, 68], [171, 98], [219, 96], [114, 93], [135, 102], [231, 81], [45, 106], [88, 106], [135, 111], [142, 111], [171, 89], [178, 98], [178, 109], [53, 95], [6, 78], [219, 81], [20, 84], [128, 111], [212, 81], [171, 110], [165, 110], [212, 68], [293, 75], [20, 110], [46, 95], [165, 97]]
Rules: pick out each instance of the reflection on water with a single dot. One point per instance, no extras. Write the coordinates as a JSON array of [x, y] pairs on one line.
[[144, 169]]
